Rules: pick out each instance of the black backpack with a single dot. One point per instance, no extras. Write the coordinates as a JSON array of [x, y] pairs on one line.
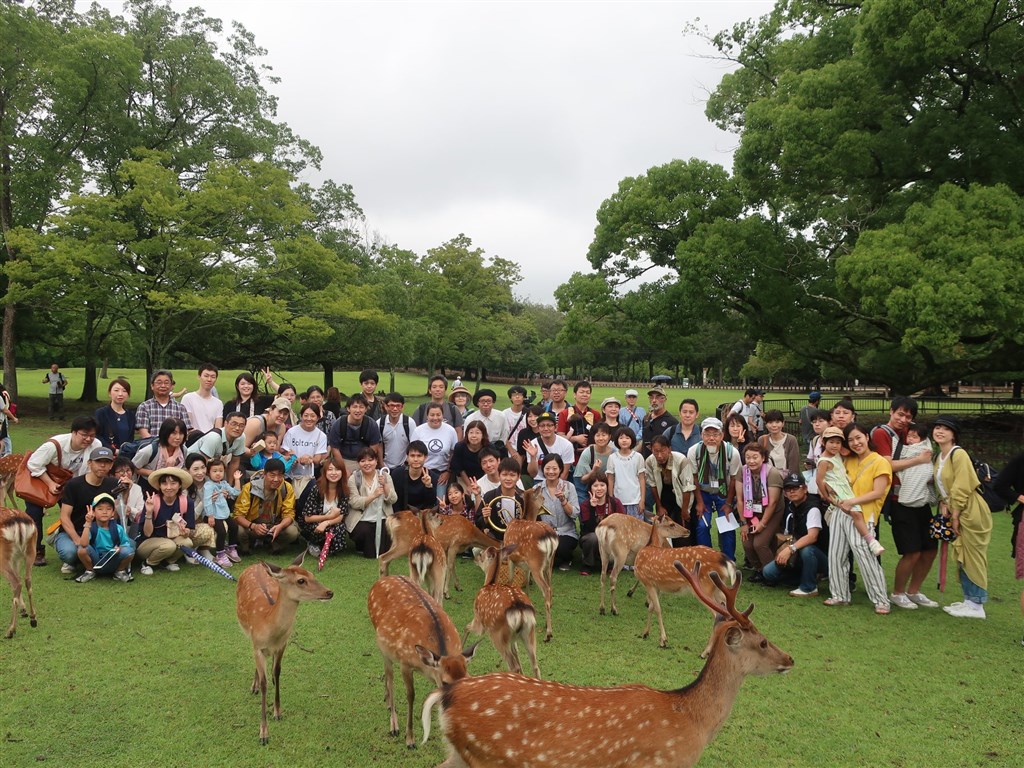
[[130, 449]]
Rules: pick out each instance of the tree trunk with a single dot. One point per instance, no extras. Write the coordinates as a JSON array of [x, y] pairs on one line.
[[328, 375], [391, 371], [105, 370], [10, 370], [89, 353], [1017, 389]]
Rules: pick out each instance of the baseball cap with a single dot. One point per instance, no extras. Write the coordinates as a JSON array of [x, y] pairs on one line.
[[793, 480], [101, 454], [814, 397], [280, 403], [657, 390], [832, 432], [546, 416], [711, 423], [632, 393], [103, 498]]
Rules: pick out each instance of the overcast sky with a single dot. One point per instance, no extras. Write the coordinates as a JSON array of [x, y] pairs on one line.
[[509, 122]]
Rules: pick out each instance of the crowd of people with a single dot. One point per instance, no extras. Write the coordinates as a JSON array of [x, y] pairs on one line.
[[226, 477]]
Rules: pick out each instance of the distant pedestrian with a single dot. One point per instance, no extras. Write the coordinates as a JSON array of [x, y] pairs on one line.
[[58, 383]]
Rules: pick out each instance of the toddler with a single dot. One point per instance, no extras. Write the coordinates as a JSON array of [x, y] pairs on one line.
[[216, 492]]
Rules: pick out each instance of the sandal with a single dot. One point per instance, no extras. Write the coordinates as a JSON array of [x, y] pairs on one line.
[[835, 601], [882, 609]]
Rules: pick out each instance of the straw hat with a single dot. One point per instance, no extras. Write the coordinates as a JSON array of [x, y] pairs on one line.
[[181, 474]]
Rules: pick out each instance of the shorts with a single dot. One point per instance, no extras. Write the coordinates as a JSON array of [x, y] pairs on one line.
[[910, 529]]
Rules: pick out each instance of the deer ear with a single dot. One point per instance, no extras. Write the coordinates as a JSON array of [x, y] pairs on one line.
[[471, 651], [270, 567], [733, 637], [298, 560], [508, 549], [429, 658]]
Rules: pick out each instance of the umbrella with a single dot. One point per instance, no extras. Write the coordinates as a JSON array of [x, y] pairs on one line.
[[944, 550], [204, 561], [661, 378], [328, 538]]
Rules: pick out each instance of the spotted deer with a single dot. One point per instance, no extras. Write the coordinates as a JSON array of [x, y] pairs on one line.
[[503, 720], [535, 543], [267, 599], [414, 632], [620, 537], [403, 528], [427, 564], [17, 550], [505, 613], [454, 533], [8, 469]]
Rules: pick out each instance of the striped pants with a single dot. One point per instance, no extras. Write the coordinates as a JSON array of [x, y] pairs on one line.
[[843, 537]]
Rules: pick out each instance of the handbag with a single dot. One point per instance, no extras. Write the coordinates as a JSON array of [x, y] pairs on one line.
[[782, 540], [941, 528], [34, 490]]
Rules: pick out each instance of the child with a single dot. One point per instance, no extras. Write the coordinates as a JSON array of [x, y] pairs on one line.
[[832, 473], [105, 546], [216, 491], [626, 473], [455, 502], [504, 503], [270, 451], [128, 501]]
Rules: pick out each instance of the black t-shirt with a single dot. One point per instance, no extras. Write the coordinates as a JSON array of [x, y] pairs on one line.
[[412, 493], [656, 426], [78, 493]]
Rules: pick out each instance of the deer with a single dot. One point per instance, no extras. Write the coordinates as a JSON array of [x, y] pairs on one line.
[[501, 720], [414, 632], [504, 612], [620, 537], [427, 564], [535, 544], [266, 601], [8, 470], [454, 533], [17, 551], [403, 528], [655, 569]]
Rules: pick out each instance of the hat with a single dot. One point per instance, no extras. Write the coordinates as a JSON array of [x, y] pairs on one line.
[[711, 423], [608, 400], [484, 393], [181, 474], [516, 388], [949, 422], [793, 480], [632, 393], [657, 390], [814, 397], [101, 454], [280, 404], [103, 498], [546, 416], [459, 391], [832, 432]]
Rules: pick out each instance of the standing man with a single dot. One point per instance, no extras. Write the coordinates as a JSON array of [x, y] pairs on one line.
[[395, 431], [806, 427], [161, 406], [437, 387], [755, 414], [353, 432], [685, 434], [545, 395], [57, 384], [515, 417], [716, 465], [576, 422], [226, 444], [634, 414], [557, 403], [368, 381], [670, 477], [657, 420], [205, 411], [494, 421], [742, 406], [548, 442]]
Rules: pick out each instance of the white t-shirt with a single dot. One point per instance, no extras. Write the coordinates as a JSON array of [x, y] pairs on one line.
[[562, 447], [496, 424], [440, 443], [203, 412], [303, 443], [626, 470], [395, 441]]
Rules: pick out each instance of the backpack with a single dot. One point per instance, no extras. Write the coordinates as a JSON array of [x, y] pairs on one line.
[[384, 420], [194, 436], [130, 449], [987, 477], [897, 443]]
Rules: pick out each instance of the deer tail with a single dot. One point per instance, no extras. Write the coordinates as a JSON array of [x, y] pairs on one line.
[[428, 706]]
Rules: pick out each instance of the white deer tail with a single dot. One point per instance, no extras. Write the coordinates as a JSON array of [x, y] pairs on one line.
[[428, 706]]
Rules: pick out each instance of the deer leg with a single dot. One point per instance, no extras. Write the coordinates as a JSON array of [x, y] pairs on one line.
[[503, 642], [410, 695], [617, 564], [30, 548], [449, 572], [604, 571], [385, 560], [16, 589], [530, 641], [654, 604], [277, 683], [389, 694], [261, 677], [544, 582]]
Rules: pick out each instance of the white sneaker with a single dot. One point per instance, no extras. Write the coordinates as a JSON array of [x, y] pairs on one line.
[[146, 569], [923, 600], [188, 559], [903, 601], [67, 568], [966, 610], [123, 576], [313, 550], [800, 593], [172, 567]]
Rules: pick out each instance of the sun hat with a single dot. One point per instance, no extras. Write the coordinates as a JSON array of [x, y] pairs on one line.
[[832, 432], [181, 474], [459, 391]]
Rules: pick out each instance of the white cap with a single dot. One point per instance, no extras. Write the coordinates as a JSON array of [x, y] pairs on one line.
[[711, 423], [632, 393]]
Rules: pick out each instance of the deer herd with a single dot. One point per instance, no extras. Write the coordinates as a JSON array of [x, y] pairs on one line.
[[503, 719]]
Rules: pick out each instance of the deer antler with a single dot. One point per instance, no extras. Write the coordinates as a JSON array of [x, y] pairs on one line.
[[728, 611]]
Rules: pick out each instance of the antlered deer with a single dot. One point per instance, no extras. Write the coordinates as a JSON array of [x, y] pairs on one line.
[[414, 632], [505, 613], [505, 721], [535, 544], [267, 598], [454, 533], [427, 563], [620, 537], [403, 528], [17, 549]]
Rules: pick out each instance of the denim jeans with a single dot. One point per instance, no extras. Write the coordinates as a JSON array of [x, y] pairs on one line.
[[127, 550], [805, 573], [726, 541], [972, 592]]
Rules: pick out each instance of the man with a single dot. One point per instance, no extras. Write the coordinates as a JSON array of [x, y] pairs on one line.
[[545, 395], [495, 421], [742, 406], [515, 417], [57, 384], [557, 403], [226, 444], [353, 432], [205, 411], [755, 414], [161, 406], [910, 525], [634, 414], [437, 386], [806, 428], [548, 442], [265, 511], [368, 381], [575, 423], [657, 420], [685, 434], [806, 557], [842, 414], [395, 430], [413, 484], [76, 502], [670, 477], [716, 466]]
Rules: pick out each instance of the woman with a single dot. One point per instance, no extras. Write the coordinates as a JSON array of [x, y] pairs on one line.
[[307, 444], [440, 439], [334, 400], [593, 459], [759, 502], [465, 466], [322, 508], [115, 424], [460, 398], [245, 397], [595, 508], [526, 435], [783, 449], [736, 428], [562, 508], [956, 484], [204, 536], [168, 520], [165, 452], [274, 419], [870, 476], [315, 396], [370, 496]]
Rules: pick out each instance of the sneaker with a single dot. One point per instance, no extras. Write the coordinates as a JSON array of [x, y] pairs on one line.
[[966, 610], [921, 599], [232, 553], [627, 567], [801, 593], [173, 567], [564, 568], [882, 609], [67, 568], [146, 569], [87, 576], [222, 560], [313, 550], [124, 576], [903, 601], [756, 578], [876, 548], [835, 601], [188, 559]]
